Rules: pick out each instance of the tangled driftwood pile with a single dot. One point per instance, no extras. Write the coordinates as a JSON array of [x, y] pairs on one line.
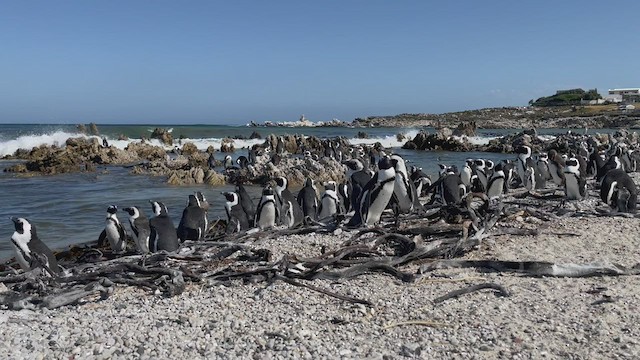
[[420, 244]]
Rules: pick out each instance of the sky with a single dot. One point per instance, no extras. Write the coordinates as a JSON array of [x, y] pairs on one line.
[[232, 62]]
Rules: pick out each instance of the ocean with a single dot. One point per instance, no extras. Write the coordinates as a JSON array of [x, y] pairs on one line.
[[70, 208]]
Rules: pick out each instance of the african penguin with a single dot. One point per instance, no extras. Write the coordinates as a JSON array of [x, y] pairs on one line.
[[30, 250], [247, 203], [467, 171], [404, 192], [291, 213], [113, 231], [574, 183], [163, 232], [140, 228], [237, 219], [267, 213], [308, 199], [376, 195], [619, 191], [193, 224], [556, 167], [495, 185], [330, 202]]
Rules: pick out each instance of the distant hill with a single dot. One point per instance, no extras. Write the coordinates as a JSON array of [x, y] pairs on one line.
[[567, 98]]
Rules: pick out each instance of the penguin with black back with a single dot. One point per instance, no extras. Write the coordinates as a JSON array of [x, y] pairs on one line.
[[193, 224], [31, 252], [619, 191], [139, 224], [308, 199], [113, 232], [237, 219], [163, 232], [247, 203], [291, 213], [375, 195]]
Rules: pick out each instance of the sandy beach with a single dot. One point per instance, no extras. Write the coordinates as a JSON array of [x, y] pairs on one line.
[[545, 317]]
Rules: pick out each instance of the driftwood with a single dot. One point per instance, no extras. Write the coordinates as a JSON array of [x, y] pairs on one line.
[[499, 288], [433, 241]]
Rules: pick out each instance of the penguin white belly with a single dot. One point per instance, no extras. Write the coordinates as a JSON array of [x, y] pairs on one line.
[[377, 205], [572, 189], [329, 207], [267, 215], [465, 176], [495, 188], [113, 236], [20, 249]]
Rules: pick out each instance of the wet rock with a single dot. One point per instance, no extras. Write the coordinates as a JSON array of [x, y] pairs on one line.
[[440, 141], [362, 135], [255, 135], [189, 149], [467, 128], [163, 135], [227, 146], [146, 151]]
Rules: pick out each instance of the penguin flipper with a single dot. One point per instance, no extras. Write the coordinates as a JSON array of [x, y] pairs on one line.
[[102, 238]]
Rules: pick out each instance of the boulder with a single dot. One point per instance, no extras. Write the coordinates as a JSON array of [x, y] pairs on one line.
[[227, 146], [163, 135]]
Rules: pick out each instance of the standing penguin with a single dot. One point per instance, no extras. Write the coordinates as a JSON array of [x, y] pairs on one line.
[[330, 201], [30, 250], [113, 231], [404, 192], [495, 186], [556, 167], [267, 212], [193, 224], [308, 199], [202, 201], [247, 204], [236, 217], [467, 172], [526, 167], [375, 195], [163, 232], [140, 228], [575, 184], [291, 213]]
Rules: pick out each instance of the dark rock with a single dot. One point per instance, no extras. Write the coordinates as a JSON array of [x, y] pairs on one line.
[[255, 135], [362, 135], [467, 128]]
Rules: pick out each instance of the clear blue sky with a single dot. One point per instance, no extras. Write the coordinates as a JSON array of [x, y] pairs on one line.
[[235, 61]]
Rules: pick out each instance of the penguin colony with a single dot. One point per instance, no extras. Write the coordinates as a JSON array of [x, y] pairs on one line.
[[375, 182]]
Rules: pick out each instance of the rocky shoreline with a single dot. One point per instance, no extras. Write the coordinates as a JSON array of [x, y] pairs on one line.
[[545, 317]]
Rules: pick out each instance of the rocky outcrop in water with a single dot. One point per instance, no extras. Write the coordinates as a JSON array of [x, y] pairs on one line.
[[163, 135], [442, 140]]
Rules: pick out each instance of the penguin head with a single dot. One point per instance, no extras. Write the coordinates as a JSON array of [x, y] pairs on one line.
[[330, 185], [268, 190], [309, 182], [469, 162], [354, 164], [133, 212], [489, 164], [231, 197], [158, 208], [200, 196], [384, 163], [281, 182], [112, 209], [523, 150], [479, 164], [572, 166], [22, 225], [193, 200]]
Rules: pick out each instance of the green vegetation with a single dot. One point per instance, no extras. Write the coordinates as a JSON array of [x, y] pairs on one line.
[[567, 97]]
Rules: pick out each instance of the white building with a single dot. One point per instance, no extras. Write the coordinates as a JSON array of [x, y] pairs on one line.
[[628, 94]]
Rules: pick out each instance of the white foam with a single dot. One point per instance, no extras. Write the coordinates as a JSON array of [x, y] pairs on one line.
[[389, 141], [28, 142]]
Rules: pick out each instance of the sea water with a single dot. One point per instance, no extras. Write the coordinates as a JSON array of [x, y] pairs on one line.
[[70, 209]]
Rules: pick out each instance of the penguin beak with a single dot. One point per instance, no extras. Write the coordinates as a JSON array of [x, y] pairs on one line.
[[14, 219]]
